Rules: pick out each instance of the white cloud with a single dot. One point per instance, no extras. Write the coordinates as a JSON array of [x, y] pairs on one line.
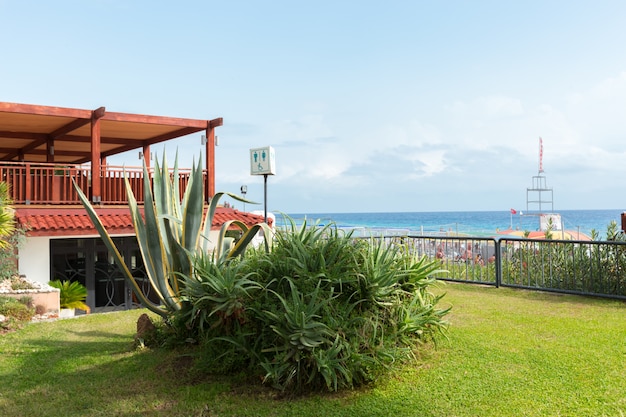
[[498, 106], [598, 113], [304, 129], [612, 87], [487, 107], [427, 163]]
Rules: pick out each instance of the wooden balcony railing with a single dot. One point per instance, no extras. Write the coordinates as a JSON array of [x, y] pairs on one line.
[[39, 183]]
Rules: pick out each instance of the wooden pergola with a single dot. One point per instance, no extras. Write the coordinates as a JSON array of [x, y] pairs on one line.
[[57, 135]]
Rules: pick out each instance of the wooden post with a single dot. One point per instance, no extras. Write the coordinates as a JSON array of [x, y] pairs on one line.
[[209, 190], [146, 156], [209, 185], [28, 187], [96, 175]]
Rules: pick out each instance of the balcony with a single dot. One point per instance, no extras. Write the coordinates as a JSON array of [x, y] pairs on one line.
[[44, 149], [33, 183]]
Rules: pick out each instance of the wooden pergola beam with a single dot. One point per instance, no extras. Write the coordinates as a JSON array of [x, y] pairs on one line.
[[23, 135], [158, 120], [40, 110], [56, 152], [87, 139]]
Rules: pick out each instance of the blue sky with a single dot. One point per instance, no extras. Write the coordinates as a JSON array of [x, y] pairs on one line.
[[370, 106]]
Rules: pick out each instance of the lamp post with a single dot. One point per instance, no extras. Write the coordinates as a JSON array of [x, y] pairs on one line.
[[244, 190]]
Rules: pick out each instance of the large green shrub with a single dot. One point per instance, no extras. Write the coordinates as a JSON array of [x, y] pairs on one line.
[[321, 310]]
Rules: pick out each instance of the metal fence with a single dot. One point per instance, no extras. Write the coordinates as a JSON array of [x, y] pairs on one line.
[[595, 268]]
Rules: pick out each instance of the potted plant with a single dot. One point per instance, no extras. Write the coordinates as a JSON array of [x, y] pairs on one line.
[[72, 296]]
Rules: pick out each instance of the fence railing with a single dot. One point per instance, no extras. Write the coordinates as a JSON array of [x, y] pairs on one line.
[[595, 268], [40, 183]]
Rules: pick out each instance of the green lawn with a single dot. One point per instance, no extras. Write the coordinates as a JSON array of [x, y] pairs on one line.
[[509, 353]]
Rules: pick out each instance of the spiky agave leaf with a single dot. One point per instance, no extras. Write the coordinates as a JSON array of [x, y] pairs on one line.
[[224, 250], [153, 246], [168, 209], [106, 238], [208, 219], [192, 209]]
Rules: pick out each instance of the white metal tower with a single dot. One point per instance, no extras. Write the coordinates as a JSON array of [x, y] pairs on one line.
[[540, 199]]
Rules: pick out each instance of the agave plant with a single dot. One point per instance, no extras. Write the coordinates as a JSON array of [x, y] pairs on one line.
[[171, 231]]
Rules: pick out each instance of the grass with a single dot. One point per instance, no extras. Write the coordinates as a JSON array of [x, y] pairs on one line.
[[509, 353]]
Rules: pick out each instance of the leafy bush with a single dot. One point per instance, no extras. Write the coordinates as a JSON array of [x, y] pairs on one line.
[[15, 311], [321, 310]]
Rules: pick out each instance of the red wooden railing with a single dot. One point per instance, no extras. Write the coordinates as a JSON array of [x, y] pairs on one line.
[[39, 183]]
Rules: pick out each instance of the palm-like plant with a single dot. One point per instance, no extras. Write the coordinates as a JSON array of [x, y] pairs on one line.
[[72, 294], [171, 231], [7, 225]]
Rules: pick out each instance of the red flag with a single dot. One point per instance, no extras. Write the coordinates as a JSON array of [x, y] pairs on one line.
[[513, 211]]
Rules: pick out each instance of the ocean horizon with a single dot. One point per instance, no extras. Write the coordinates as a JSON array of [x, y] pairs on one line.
[[479, 223]]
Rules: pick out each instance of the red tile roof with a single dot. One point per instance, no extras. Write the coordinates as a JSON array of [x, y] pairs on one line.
[[43, 221], [224, 214]]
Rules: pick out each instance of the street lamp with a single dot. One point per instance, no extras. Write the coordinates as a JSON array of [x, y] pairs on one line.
[[244, 190]]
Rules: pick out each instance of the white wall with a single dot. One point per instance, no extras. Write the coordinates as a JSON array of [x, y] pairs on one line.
[[34, 259]]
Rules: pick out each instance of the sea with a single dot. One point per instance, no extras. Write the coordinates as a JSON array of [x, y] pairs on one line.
[[472, 223]]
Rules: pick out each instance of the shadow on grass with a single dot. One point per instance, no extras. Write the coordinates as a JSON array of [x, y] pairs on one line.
[[47, 371]]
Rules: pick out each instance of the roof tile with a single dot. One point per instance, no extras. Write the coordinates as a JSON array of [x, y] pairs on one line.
[[73, 221]]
